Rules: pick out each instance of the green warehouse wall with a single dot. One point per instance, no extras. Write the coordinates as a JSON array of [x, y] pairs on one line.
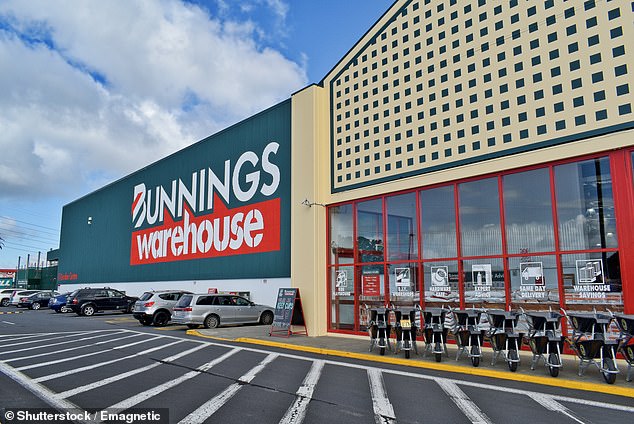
[[101, 231]]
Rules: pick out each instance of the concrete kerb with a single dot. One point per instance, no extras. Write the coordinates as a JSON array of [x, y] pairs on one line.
[[436, 366]]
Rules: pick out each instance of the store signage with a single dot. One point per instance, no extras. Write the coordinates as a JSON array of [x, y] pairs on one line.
[[482, 280], [403, 282], [288, 310], [67, 276], [196, 219], [590, 279], [440, 279], [371, 284], [341, 284], [533, 285]]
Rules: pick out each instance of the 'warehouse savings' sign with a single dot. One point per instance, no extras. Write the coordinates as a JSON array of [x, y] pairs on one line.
[[196, 219]]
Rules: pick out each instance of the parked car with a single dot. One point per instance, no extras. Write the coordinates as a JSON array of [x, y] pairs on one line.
[[17, 294], [156, 307], [88, 301], [58, 303], [5, 296], [212, 310], [36, 300]]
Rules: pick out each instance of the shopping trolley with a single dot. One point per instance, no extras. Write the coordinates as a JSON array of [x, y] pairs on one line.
[[504, 337], [545, 339], [589, 340], [435, 333], [626, 327], [468, 334]]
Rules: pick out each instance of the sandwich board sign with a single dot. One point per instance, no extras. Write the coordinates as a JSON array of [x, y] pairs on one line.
[[288, 313]]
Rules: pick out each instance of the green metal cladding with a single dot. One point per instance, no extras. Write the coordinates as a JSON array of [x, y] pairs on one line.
[[218, 209]]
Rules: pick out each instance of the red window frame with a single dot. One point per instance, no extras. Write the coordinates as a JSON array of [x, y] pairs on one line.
[[623, 193]]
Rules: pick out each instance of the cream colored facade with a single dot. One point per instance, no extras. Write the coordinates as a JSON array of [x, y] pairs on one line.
[[440, 90]]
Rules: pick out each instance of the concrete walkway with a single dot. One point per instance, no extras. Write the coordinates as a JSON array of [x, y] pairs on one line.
[[347, 346]]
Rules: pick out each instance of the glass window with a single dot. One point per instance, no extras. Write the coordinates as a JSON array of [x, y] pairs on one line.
[[592, 278], [404, 288], [528, 212], [402, 238], [438, 222], [585, 205], [341, 238], [484, 282], [480, 218], [370, 230], [342, 298], [441, 282], [372, 288], [534, 279]]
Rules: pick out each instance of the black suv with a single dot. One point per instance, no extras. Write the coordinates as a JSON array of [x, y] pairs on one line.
[[90, 300]]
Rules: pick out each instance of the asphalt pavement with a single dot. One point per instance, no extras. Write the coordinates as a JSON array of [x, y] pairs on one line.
[[357, 347]]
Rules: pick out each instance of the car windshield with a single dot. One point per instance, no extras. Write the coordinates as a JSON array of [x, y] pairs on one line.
[[184, 301], [146, 296]]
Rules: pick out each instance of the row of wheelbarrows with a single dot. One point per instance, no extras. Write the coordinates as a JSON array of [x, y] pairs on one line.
[[591, 337]]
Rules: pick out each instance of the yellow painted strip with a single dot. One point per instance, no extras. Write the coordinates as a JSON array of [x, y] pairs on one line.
[[480, 372], [11, 313]]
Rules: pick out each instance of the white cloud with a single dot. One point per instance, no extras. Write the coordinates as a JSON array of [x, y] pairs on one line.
[[111, 86]]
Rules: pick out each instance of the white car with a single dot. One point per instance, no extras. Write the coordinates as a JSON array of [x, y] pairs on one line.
[[17, 294], [5, 296]]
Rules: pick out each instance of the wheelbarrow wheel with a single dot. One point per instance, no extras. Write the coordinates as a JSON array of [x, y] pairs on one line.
[[512, 360], [475, 355], [382, 346], [437, 353], [608, 365], [553, 359]]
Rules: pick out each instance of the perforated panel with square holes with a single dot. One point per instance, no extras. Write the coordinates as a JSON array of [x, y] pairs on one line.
[[448, 82]]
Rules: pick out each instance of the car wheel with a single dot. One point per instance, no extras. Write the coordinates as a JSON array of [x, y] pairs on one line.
[[266, 318], [161, 318], [145, 321], [212, 321], [35, 306], [5, 302], [88, 310]]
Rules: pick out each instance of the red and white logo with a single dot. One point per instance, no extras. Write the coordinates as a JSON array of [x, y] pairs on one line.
[[181, 230]]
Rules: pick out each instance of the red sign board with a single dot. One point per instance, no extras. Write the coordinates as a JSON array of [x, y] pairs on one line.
[[371, 285], [253, 228]]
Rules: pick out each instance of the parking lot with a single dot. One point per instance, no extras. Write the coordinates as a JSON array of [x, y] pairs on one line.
[[109, 361]]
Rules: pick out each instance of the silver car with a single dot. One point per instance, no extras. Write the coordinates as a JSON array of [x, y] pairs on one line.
[[156, 307], [212, 310]]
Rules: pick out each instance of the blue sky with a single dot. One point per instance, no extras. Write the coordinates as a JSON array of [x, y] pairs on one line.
[[92, 91]]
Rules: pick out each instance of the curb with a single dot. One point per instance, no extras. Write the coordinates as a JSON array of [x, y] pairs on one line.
[[503, 375]]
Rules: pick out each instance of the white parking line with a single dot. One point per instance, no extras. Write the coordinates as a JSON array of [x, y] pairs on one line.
[[466, 405], [209, 408], [297, 411], [9, 322], [101, 364], [53, 352], [383, 410], [31, 335], [72, 358], [119, 377], [39, 390], [135, 400], [549, 403], [52, 338]]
